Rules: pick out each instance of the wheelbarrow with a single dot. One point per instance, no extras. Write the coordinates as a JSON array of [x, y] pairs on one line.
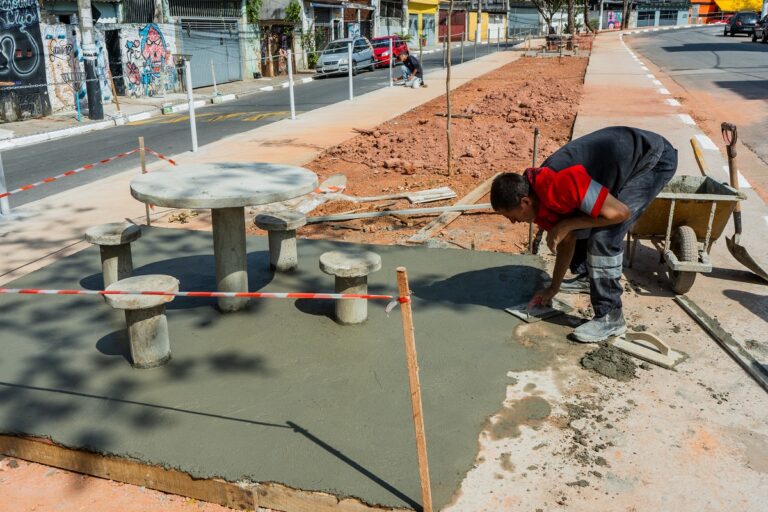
[[683, 222]]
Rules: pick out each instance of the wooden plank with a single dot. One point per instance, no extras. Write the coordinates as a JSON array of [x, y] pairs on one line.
[[443, 220], [699, 156], [212, 490], [756, 369]]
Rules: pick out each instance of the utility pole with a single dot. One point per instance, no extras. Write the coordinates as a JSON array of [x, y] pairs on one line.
[[92, 85], [600, 21], [479, 21]]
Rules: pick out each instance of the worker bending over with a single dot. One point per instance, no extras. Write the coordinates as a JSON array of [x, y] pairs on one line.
[[412, 73], [593, 188]]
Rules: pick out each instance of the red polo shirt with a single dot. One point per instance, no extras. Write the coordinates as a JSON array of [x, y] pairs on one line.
[[561, 193]]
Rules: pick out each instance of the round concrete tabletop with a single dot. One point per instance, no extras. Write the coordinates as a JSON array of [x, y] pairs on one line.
[[350, 263], [223, 185], [284, 220], [114, 233], [148, 283]]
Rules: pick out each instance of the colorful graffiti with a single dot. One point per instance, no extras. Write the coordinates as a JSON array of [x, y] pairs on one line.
[[60, 48], [149, 66], [21, 60]]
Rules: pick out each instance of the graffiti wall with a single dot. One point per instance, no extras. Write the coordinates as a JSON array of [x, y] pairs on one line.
[[148, 59], [64, 57], [22, 62]]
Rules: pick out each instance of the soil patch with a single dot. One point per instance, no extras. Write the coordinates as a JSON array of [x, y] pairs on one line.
[[409, 152], [611, 362]]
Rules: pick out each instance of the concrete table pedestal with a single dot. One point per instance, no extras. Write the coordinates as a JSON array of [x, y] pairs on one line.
[[281, 228], [114, 241], [150, 344], [351, 270], [226, 188]]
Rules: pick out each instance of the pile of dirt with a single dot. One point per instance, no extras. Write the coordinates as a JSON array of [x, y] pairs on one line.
[[611, 362], [409, 152]]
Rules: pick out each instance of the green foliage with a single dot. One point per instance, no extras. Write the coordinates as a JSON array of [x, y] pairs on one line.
[[253, 10], [310, 41], [405, 37], [293, 11]]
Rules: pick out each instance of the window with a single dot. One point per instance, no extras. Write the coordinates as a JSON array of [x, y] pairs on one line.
[[646, 18], [668, 17]]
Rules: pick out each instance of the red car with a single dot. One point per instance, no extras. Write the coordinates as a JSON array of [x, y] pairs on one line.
[[381, 48]]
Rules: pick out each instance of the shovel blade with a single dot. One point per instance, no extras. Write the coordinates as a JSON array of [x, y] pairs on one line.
[[742, 256]]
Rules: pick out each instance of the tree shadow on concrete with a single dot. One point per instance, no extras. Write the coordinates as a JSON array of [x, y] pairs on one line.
[[495, 288], [755, 303]]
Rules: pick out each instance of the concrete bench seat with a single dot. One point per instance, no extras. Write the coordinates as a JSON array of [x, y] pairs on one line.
[[281, 227], [114, 241], [351, 269]]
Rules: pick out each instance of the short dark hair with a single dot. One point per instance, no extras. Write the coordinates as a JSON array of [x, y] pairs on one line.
[[508, 189]]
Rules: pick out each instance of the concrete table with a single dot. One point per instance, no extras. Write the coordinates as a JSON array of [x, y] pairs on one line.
[[226, 188]]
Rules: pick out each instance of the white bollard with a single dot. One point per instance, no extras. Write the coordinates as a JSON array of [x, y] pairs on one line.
[[290, 84], [349, 71], [213, 75], [391, 57], [191, 100], [5, 206]]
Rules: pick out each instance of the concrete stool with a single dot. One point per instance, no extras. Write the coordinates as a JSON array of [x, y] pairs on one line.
[[282, 227], [145, 317], [351, 270], [114, 241]]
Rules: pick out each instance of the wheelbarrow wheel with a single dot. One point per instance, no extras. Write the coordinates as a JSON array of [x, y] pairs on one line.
[[685, 246]]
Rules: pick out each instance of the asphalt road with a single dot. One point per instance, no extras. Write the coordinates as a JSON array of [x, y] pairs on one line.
[[705, 59], [170, 135]]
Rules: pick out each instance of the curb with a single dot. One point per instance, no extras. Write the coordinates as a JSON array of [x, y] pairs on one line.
[[673, 27]]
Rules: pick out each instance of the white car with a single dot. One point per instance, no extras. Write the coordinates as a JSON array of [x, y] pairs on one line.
[[335, 57]]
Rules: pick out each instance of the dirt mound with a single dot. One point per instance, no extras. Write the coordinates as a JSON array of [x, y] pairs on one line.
[[611, 362], [409, 152]]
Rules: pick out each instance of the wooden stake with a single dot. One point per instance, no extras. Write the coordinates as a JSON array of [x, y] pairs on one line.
[[143, 162], [448, 88], [415, 387], [114, 91], [533, 164]]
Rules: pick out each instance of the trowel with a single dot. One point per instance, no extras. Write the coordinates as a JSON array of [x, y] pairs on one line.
[[540, 312], [648, 347]]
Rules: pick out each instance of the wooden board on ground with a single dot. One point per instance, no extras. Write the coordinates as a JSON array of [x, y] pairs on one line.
[[443, 220], [213, 490]]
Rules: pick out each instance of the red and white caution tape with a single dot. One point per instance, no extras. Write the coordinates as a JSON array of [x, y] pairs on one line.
[[68, 173], [249, 295], [160, 156]]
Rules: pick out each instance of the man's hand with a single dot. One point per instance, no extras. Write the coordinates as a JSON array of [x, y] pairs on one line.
[[556, 235], [543, 297]]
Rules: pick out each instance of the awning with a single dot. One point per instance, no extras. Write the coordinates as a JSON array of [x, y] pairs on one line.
[[343, 5]]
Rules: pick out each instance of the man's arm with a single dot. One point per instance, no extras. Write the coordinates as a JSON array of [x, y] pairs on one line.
[[563, 258], [612, 212]]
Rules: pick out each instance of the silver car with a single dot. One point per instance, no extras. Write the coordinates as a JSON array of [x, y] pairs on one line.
[[335, 56]]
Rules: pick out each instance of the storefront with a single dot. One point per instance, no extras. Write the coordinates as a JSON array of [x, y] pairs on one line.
[[422, 22]]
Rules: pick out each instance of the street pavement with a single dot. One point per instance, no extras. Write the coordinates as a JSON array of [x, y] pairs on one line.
[[727, 67], [170, 135]]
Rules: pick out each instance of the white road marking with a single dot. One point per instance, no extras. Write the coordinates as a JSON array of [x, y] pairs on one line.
[[663, 91], [657, 82], [673, 102], [649, 75], [685, 118], [706, 142]]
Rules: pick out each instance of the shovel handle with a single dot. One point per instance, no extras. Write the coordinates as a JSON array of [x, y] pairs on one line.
[[730, 136]]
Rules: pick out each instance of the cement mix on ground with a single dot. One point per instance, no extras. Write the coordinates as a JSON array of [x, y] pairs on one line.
[[278, 393], [611, 362]]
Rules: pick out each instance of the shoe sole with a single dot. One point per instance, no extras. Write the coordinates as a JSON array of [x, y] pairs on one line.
[[595, 339]]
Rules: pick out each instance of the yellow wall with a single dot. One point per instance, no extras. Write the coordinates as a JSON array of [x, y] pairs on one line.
[[473, 26], [424, 8]]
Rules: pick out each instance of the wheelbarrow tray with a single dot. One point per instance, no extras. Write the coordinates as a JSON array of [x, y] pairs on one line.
[[696, 199]]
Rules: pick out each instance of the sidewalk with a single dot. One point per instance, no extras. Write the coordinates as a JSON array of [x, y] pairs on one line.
[[53, 228]]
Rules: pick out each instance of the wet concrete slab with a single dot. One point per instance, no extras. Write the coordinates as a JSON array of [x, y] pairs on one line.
[[280, 392]]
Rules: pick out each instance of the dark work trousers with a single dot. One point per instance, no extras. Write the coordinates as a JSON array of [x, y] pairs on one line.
[[601, 250]]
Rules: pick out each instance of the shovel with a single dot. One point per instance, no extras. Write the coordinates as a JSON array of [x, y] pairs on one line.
[[738, 251]]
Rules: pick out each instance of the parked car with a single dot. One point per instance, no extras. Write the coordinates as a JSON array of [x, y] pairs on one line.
[[381, 49], [741, 23], [334, 58], [761, 30]]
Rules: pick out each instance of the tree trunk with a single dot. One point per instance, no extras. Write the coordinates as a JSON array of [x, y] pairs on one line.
[[625, 14], [571, 17], [448, 89], [587, 24]]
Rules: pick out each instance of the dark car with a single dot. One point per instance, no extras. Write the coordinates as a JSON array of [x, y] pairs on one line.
[[741, 23], [761, 30]]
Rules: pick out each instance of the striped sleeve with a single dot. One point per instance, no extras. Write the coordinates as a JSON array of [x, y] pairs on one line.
[[593, 198], [574, 189]]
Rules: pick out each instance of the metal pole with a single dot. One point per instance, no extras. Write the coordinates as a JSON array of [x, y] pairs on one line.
[[600, 21], [533, 164], [5, 206], [463, 36], [290, 84], [191, 100], [391, 57], [349, 71], [498, 39], [90, 54], [213, 75], [488, 39]]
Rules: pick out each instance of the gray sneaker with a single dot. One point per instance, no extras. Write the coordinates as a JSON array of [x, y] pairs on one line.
[[599, 329], [579, 284]]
